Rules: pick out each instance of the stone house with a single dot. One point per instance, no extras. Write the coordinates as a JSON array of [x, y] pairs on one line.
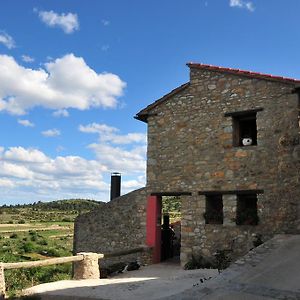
[[226, 143]]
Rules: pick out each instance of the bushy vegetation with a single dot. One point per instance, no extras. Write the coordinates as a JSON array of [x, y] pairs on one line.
[[221, 260], [34, 245], [172, 206], [38, 231], [54, 211]]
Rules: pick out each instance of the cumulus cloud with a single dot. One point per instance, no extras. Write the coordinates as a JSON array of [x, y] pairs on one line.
[[67, 22], [7, 40], [67, 82], [26, 123], [51, 132], [61, 113], [105, 22], [120, 159], [20, 154], [27, 58], [105, 47], [27, 172], [242, 4], [110, 134], [125, 153]]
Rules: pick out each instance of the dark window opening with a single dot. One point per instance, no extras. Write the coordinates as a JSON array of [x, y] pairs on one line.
[[244, 130], [246, 213], [214, 209]]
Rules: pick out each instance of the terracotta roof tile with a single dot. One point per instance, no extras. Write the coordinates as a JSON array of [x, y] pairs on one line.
[[242, 72]]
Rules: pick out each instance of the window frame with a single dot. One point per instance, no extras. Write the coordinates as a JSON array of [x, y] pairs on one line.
[[238, 117]]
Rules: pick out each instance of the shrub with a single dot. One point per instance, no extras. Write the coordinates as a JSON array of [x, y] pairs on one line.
[[28, 247], [21, 221], [66, 220], [42, 242], [198, 262], [258, 240], [13, 236], [222, 259]]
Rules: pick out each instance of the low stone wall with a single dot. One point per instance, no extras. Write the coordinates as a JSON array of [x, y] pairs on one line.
[[118, 225]]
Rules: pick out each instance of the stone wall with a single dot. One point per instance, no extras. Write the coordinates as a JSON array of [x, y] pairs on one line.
[[190, 149], [116, 226]]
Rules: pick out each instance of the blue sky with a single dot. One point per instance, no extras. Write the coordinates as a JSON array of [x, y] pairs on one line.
[[74, 73]]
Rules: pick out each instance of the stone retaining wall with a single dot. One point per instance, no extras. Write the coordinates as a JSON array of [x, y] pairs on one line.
[[116, 226]]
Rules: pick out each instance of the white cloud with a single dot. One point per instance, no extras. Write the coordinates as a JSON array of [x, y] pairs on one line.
[[119, 159], [27, 58], [51, 132], [67, 22], [124, 153], [60, 148], [66, 82], [105, 47], [26, 123], [109, 134], [242, 4], [6, 183], [19, 154], [7, 40], [105, 22], [61, 113], [30, 173]]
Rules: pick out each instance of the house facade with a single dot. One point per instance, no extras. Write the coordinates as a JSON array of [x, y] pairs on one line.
[[228, 144]]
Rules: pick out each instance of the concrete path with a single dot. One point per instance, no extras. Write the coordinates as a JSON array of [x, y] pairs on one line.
[[151, 282], [271, 271]]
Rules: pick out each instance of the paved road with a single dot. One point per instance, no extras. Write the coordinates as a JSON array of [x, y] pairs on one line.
[[271, 271]]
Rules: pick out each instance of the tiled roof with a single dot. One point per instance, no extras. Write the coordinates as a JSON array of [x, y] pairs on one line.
[[242, 72]]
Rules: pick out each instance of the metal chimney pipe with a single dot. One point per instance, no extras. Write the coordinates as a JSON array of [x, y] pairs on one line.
[[115, 185]]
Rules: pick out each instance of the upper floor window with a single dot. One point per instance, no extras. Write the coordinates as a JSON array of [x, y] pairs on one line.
[[244, 127]]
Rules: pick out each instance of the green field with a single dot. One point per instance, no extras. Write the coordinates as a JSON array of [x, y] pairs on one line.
[[39, 231]]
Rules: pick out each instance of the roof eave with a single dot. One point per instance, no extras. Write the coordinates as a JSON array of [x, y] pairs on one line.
[[239, 72], [144, 113]]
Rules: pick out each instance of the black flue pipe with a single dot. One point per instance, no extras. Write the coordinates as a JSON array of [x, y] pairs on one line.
[[115, 185]]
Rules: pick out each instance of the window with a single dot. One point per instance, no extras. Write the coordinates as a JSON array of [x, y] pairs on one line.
[[214, 209], [246, 213], [244, 130], [244, 127]]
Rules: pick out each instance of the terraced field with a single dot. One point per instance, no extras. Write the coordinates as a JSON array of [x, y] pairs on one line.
[[37, 232]]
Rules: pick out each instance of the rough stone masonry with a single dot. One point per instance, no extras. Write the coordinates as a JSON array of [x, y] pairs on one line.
[[194, 151]]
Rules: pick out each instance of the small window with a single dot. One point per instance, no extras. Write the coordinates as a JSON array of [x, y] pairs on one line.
[[214, 209], [244, 130], [246, 213]]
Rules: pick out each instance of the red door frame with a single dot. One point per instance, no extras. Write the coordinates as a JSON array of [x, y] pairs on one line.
[[153, 226]]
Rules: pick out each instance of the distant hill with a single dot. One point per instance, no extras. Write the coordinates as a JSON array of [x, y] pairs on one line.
[[66, 204], [54, 211]]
